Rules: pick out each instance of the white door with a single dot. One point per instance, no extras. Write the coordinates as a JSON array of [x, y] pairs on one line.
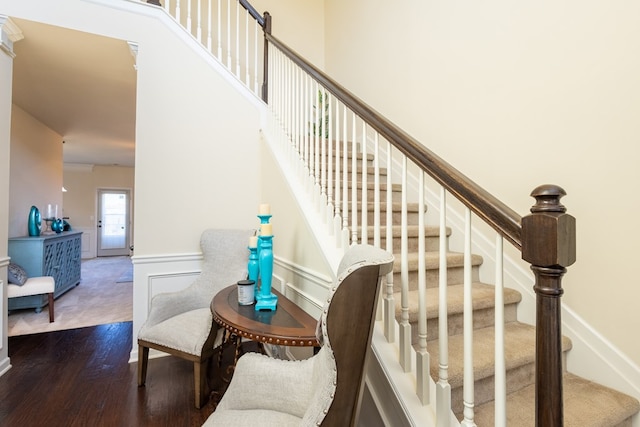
[[113, 222]]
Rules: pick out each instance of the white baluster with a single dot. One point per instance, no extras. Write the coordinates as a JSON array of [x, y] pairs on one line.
[[255, 57], [316, 151], [405, 327], [390, 305], [338, 182], [345, 182], [354, 184], [189, 21], [422, 356], [178, 10], [328, 214], [228, 34], [323, 153], [209, 34], [237, 39], [199, 25], [376, 190], [500, 398], [247, 78], [468, 387], [307, 133], [364, 206], [443, 388], [219, 18]]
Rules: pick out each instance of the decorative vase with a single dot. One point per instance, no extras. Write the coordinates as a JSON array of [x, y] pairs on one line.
[[57, 225], [35, 222], [254, 268]]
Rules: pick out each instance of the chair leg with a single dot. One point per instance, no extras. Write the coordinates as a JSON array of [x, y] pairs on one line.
[[201, 382], [51, 315], [143, 360]]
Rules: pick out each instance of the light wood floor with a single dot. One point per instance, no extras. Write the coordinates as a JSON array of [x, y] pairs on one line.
[[100, 298]]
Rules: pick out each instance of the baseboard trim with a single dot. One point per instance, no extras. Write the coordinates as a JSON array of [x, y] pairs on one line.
[[5, 366]]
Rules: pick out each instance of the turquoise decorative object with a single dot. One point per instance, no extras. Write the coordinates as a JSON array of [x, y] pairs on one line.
[[266, 300], [57, 225], [254, 268], [35, 222]]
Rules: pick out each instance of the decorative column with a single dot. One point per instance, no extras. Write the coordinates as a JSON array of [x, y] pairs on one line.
[[549, 244], [9, 34]]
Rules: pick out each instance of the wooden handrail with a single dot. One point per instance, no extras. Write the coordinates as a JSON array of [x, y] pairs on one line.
[[499, 216], [253, 12]]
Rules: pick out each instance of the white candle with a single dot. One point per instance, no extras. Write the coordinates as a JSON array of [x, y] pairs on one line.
[[253, 241], [56, 214], [49, 211], [264, 209], [265, 229]]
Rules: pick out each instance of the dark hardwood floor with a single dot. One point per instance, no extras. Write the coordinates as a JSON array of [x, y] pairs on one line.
[[81, 377]]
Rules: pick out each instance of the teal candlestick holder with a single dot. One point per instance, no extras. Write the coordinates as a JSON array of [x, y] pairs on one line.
[[266, 300], [264, 218], [254, 268]]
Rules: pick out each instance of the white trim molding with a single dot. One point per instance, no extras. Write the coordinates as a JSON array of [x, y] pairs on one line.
[[9, 34], [153, 274]]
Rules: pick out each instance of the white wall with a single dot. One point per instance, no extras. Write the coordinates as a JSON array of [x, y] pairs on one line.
[[36, 170], [517, 95], [300, 24], [182, 185]]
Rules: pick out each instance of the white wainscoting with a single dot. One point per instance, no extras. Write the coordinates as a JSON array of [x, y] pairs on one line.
[[89, 245], [157, 274], [168, 273], [5, 362]]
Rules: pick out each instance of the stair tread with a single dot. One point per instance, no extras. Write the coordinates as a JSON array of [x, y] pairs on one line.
[[395, 206], [483, 297], [586, 404], [519, 338], [432, 260], [412, 230]]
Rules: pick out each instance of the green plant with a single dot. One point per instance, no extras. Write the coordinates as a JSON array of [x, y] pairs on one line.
[[320, 112]]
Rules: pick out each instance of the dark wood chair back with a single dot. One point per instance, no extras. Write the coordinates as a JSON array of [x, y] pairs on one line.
[[350, 322]]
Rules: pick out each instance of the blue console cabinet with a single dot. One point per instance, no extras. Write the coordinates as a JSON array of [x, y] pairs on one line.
[[56, 255]]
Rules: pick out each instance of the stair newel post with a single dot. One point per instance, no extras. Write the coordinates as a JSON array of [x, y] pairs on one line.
[[265, 63], [549, 244]]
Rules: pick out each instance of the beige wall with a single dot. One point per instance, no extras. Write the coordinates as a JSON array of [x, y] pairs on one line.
[[81, 199], [517, 96], [35, 171], [300, 24], [82, 184], [187, 157]]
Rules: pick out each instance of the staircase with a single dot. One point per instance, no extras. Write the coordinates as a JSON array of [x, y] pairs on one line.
[[293, 103], [585, 403]]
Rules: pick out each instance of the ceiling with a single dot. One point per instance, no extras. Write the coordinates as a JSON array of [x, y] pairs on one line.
[[80, 85]]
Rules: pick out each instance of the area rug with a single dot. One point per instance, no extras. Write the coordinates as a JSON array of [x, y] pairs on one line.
[[95, 301], [127, 276]]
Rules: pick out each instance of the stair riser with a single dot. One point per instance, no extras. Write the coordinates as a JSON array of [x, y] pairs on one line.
[[432, 243], [484, 390], [455, 276], [481, 319], [396, 196], [396, 217]]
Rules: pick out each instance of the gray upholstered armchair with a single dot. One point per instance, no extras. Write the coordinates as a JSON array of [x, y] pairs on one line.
[[180, 323], [325, 389]]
